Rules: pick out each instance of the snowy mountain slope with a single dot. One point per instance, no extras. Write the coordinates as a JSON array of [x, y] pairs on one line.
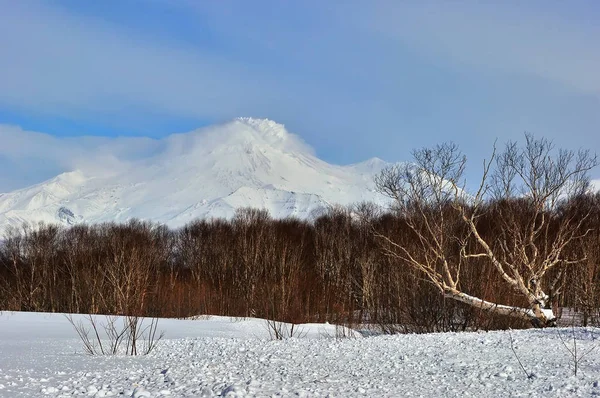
[[205, 173]]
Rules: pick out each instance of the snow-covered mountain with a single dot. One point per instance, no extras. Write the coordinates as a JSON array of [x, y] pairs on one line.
[[205, 173]]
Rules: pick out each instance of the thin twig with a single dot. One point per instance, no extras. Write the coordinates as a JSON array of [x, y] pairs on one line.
[[512, 347]]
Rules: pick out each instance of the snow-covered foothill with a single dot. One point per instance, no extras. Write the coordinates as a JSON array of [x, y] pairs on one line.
[[219, 356]]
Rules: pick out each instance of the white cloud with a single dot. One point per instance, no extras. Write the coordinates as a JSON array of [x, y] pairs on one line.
[[32, 157], [537, 38], [57, 63], [60, 63]]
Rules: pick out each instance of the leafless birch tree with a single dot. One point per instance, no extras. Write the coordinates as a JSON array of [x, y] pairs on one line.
[[524, 188]]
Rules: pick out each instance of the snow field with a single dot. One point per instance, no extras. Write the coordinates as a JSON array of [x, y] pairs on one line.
[[220, 356]]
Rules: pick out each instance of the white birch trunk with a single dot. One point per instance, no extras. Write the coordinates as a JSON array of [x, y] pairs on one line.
[[537, 315]]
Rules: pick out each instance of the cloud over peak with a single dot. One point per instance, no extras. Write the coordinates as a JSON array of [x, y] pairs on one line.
[[47, 155]]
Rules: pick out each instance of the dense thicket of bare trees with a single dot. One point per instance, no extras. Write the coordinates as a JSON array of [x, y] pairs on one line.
[[336, 268]]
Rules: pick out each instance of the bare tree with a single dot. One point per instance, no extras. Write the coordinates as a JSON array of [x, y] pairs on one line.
[[524, 189]]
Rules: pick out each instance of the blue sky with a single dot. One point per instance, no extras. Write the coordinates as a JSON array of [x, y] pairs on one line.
[[355, 79]]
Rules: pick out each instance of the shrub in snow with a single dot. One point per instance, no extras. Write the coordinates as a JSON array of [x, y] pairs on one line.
[[130, 335]]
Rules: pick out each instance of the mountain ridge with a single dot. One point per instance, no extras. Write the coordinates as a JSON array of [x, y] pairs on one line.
[[208, 172]]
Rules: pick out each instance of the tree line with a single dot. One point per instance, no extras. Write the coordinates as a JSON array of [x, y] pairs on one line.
[[342, 267]]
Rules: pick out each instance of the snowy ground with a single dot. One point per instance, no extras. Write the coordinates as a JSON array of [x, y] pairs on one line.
[[40, 356]]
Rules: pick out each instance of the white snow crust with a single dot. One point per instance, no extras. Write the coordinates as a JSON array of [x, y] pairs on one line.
[[205, 173], [41, 356]]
